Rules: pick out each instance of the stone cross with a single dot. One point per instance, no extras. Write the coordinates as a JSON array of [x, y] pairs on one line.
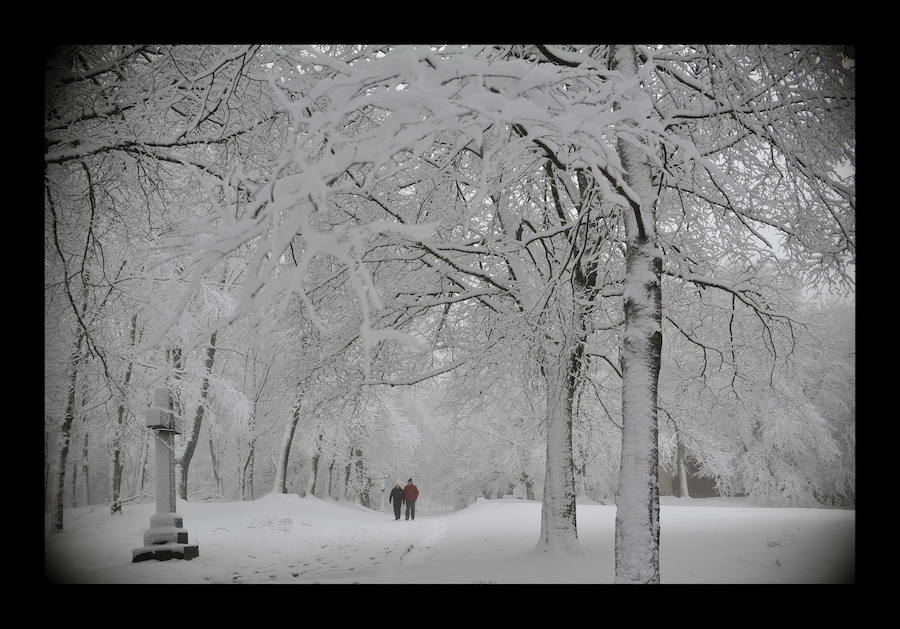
[[166, 538]]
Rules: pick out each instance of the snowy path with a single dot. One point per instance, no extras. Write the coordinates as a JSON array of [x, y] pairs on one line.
[[284, 539], [375, 553]]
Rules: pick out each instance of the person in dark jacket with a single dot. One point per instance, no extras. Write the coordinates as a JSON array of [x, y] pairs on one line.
[[397, 498], [410, 493]]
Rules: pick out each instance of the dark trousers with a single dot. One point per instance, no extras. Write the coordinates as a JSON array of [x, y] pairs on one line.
[[411, 509], [397, 509]]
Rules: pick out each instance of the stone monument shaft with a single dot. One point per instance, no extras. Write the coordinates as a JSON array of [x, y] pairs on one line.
[[166, 538]]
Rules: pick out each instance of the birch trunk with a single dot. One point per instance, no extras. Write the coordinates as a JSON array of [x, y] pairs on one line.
[[637, 506]]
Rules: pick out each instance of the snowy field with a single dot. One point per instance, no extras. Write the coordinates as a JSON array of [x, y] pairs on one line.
[[282, 538]]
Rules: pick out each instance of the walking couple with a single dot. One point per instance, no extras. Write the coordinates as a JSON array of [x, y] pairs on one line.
[[400, 495]]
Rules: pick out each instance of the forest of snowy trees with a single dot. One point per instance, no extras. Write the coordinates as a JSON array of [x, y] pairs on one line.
[[549, 270]]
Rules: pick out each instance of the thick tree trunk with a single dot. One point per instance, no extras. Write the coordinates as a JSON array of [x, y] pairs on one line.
[[637, 505], [562, 369], [65, 435], [194, 435], [558, 526], [284, 452], [637, 513]]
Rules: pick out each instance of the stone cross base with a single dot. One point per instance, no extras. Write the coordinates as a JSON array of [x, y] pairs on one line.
[[165, 539], [163, 552]]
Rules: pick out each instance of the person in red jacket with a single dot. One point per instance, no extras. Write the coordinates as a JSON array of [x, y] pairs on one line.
[[410, 493]]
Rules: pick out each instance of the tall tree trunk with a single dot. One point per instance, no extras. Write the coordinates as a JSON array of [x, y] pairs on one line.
[[637, 506], [563, 368], [85, 467], [529, 486], [330, 476], [74, 484], [65, 434], [194, 435], [175, 356], [142, 465], [362, 479], [46, 467], [315, 466], [558, 526], [247, 472], [217, 474], [284, 452], [681, 472], [115, 505], [347, 469]]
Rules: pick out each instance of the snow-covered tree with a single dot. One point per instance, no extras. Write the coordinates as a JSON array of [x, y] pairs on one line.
[[434, 213]]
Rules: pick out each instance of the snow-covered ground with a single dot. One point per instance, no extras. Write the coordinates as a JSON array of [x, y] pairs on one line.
[[282, 538]]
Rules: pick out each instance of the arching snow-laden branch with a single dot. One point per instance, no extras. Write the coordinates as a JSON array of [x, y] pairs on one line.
[[413, 168]]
